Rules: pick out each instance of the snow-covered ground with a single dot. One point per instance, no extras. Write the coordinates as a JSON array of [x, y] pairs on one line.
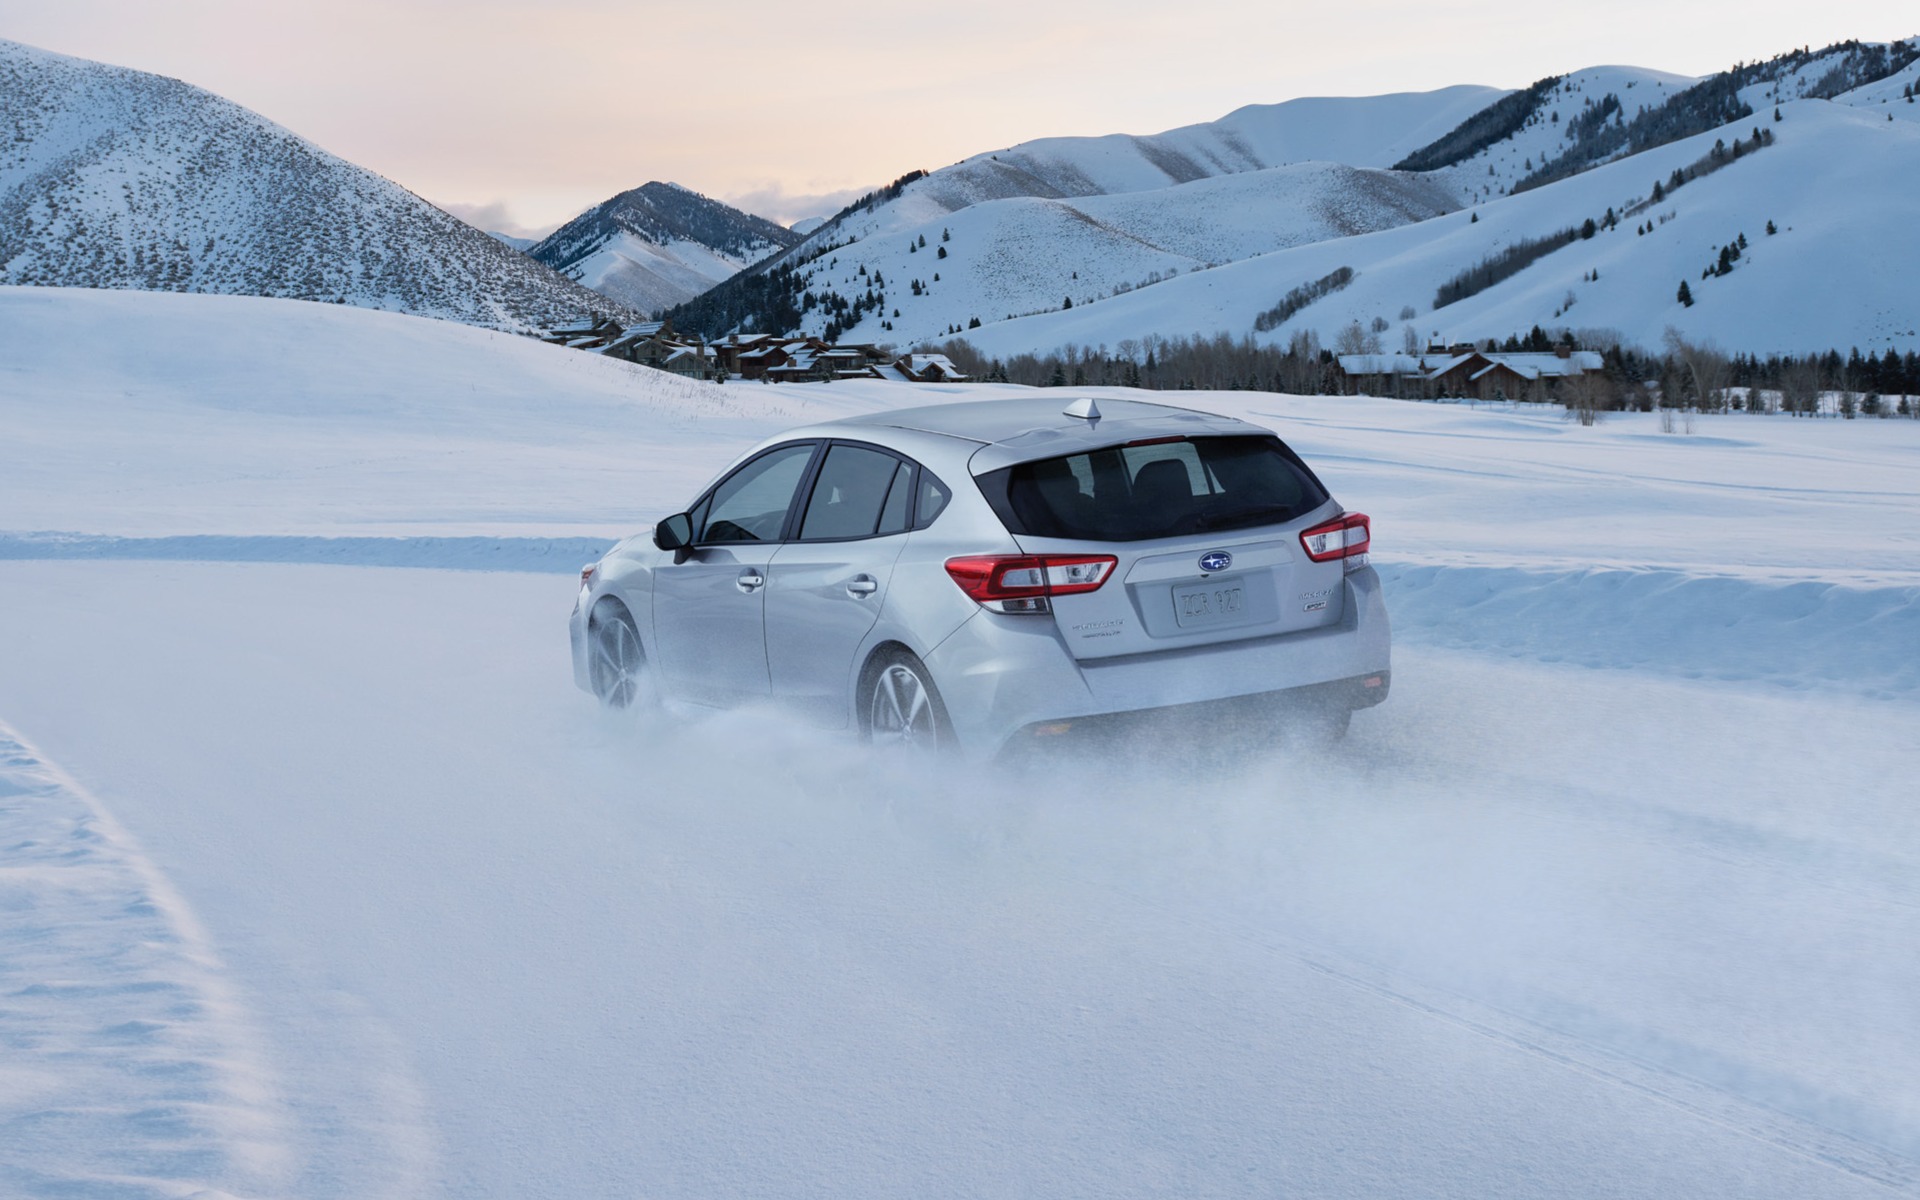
[[321, 880]]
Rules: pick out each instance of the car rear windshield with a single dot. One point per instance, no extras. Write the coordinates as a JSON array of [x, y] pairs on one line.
[[1154, 489]]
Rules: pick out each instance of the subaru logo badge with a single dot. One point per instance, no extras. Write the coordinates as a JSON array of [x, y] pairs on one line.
[[1215, 560]]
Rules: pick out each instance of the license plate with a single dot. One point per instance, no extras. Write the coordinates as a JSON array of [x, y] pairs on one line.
[[1221, 602]]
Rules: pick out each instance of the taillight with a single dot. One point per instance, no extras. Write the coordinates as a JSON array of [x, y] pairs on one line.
[[1347, 536], [586, 574], [1022, 583]]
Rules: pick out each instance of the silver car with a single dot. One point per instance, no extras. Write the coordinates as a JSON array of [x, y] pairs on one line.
[[984, 575]]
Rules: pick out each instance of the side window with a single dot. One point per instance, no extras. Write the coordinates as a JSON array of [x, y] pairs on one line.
[[849, 495], [932, 499], [751, 504], [893, 514]]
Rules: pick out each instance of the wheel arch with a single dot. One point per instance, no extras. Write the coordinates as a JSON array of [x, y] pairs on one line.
[[877, 656]]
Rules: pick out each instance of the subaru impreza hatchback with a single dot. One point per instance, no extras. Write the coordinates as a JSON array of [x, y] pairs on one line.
[[979, 574]]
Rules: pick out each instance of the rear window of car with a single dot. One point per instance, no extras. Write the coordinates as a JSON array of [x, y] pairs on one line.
[[1155, 489]]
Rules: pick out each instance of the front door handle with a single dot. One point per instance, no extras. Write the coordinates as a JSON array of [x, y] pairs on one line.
[[749, 580], [863, 585]]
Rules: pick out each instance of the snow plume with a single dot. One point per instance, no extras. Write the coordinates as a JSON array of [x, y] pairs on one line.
[[1536, 882]]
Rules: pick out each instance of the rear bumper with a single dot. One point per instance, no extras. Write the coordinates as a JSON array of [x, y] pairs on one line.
[[1001, 676], [1260, 715]]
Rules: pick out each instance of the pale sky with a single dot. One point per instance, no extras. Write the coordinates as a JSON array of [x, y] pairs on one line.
[[518, 115]]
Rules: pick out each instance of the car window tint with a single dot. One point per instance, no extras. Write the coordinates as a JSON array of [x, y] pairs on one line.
[[1160, 489], [933, 499], [893, 515], [1140, 458], [751, 504], [849, 494]]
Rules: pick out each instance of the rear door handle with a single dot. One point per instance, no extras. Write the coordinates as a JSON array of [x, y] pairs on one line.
[[749, 580], [862, 585]]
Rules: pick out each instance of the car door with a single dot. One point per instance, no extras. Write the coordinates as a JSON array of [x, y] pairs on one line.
[[829, 580], [708, 609]]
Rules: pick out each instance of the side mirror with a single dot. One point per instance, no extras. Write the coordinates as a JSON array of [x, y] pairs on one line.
[[674, 533]]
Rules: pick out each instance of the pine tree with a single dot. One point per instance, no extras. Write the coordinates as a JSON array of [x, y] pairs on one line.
[[1686, 294], [1771, 229], [1068, 304]]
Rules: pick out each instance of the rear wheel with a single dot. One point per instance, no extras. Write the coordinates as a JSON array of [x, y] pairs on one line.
[[900, 708], [616, 664]]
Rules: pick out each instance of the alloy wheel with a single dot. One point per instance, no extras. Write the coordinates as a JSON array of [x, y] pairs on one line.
[[901, 710]]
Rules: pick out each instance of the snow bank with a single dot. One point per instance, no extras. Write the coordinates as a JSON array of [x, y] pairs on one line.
[[464, 554], [131, 1067], [1809, 634]]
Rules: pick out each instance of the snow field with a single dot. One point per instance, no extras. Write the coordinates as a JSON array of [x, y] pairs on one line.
[[1535, 929]]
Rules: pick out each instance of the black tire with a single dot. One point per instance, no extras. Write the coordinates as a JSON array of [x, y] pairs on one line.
[[616, 662], [899, 706]]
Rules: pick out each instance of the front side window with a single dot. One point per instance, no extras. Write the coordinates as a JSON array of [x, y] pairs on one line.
[[1161, 488], [751, 504]]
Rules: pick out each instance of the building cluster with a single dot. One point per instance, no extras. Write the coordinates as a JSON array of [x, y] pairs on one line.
[[1463, 370], [756, 356]]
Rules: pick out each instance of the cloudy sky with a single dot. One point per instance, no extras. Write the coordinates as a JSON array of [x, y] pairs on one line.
[[519, 115]]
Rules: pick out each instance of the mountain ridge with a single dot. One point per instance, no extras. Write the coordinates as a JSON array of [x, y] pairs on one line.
[[1539, 139], [659, 244], [116, 178]]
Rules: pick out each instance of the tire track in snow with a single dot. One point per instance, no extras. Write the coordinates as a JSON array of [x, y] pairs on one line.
[[1750, 1099], [127, 1065], [1585, 1049]]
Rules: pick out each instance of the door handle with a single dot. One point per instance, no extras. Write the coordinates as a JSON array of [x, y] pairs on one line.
[[862, 585], [749, 580]]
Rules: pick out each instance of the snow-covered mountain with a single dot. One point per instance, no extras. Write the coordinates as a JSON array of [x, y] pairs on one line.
[[1099, 240], [1032, 215], [115, 178], [1833, 182], [659, 244]]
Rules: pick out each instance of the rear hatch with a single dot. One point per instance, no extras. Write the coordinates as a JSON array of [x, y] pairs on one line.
[[1205, 533]]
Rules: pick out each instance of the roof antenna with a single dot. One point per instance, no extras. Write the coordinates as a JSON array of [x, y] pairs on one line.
[[1084, 408]]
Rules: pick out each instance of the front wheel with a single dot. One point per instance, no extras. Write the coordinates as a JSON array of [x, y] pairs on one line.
[[616, 665], [901, 708]]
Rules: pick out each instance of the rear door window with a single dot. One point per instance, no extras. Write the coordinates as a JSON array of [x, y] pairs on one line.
[[1155, 489], [893, 514], [850, 496]]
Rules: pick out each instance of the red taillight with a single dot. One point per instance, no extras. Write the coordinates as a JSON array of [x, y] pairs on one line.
[[1346, 536], [1021, 583], [586, 574]]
